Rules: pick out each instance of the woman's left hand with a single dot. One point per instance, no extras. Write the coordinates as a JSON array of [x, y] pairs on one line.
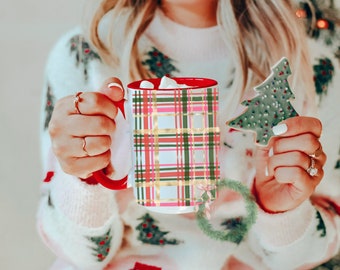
[[291, 166]]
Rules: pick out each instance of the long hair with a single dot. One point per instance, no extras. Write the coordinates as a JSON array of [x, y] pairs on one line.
[[137, 14], [257, 33]]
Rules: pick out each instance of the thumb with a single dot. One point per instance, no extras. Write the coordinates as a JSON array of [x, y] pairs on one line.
[[113, 89]]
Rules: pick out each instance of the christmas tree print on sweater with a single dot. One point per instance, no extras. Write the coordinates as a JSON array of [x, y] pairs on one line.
[[149, 232], [159, 64], [49, 106], [269, 107], [101, 246], [83, 53], [321, 226]]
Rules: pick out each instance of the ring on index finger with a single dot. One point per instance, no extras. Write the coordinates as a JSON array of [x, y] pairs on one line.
[[76, 101]]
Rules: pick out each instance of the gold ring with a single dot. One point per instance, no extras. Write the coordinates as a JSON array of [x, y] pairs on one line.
[[84, 147], [76, 101]]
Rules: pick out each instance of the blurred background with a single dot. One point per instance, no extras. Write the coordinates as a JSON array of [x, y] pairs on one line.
[[28, 30]]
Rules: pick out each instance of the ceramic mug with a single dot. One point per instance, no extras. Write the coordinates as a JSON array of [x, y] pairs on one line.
[[175, 143]]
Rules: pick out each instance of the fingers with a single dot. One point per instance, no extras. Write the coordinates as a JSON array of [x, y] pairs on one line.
[[93, 146], [83, 125], [90, 103], [85, 166], [300, 141], [306, 143], [78, 147], [292, 168], [299, 179], [299, 125]]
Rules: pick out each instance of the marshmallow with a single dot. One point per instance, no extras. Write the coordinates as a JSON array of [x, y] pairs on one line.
[[146, 84], [168, 83]]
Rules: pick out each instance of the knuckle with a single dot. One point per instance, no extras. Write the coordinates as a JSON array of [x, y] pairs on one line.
[[114, 111], [106, 158], [67, 167], [297, 173], [107, 141], [324, 158], [53, 128], [298, 121], [95, 99], [314, 143], [321, 174], [104, 125], [317, 123], [58, 149], [298, 157], [54, 125]]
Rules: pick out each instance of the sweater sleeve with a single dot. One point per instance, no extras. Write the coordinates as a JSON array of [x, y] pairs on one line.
[[298, 239], [79, 222]]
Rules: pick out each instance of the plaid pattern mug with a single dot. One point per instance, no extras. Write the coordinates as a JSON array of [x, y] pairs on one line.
[[175, 143]]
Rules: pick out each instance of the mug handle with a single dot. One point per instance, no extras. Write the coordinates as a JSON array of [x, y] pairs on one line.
[[109, 183], [100, 176]]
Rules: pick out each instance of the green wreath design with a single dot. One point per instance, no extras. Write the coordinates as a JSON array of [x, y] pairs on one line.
[[237, 234]]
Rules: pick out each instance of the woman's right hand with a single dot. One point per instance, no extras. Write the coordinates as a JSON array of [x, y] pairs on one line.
[[81, 141]]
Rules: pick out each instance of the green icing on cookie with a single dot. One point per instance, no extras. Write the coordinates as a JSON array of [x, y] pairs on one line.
[[270, 107]]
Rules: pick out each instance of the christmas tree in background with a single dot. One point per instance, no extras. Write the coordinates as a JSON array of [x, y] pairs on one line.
[[102, 245], [149, 233], [270, 106], [322, 20]]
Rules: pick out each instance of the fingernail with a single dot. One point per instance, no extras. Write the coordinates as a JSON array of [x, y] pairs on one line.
[[271, 152], [266, 173], [280, 129], [114, 84]]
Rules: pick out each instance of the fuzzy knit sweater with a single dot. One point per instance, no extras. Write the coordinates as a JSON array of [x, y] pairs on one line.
[[90, 227]]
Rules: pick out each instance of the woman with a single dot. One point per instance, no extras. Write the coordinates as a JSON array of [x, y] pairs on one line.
[[234, 42]]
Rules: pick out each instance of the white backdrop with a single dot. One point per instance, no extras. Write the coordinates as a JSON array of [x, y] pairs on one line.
[[28, 30]]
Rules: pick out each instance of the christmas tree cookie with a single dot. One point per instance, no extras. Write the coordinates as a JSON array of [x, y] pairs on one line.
[[270, 107]]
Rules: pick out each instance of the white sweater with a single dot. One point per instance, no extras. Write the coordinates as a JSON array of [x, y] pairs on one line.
[[91, 227]]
